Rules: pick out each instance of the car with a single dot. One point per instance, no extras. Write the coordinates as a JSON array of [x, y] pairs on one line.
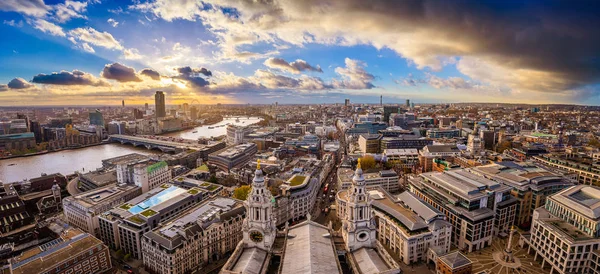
[[129, 271], [126, 266]]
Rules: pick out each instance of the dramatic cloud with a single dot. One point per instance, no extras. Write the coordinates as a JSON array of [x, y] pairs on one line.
[[112, 22], [190, 71], [68, 79], [35, 8], [94, 37], [294, 67], [120, 72], [48, 27], [451, 82], [68, 10], [547, 49], [354, 76], [19, 83], [150, 73]]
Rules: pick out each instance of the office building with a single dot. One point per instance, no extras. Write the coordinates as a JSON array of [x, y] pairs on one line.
[[408, 227], [236, 134], [159, 104], [203, 234], [474, 145], [369, 143], [404, 142], [565, 231], [404, 157], [531, 185], [488, 137], [73, 252], [17, 141], [478, 208], [443, 133], [453, 263], [387, 179], [83, 209], [96, 179], [96, 118], [233, 156], [297, 199], [587, 172], [123, 226], [36, 128]]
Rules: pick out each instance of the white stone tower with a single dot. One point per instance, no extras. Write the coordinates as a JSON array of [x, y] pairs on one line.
[[358, 226], [259, 226]]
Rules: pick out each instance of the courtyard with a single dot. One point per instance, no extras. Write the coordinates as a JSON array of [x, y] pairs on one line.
[[487, 259]]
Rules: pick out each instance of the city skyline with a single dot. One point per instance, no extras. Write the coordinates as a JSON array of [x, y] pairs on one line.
[[230, 52]]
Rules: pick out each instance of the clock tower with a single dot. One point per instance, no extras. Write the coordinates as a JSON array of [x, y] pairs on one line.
[[358, 225], [259, 226]]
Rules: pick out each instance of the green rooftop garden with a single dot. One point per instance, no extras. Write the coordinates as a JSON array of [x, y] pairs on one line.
[[297, 180], [205, 184], [193, 191], [125, 206], [136, 219], [202, 168], [148, 213], [212, 187], [165, 186]]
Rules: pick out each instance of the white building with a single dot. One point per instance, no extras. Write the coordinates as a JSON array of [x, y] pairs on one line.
[[565, 231], [151, 175], [387, 179], [205, 233], [82, 210], [123, 226], [408, 226], [236, 134]]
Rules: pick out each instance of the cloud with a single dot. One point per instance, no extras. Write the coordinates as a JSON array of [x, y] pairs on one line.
[[94, 37], [48, 27], [546, 49], [112, 22], [68, 10], [132, 54], [354, 76], [150, 73], [295, 67], [172, 9], [450, 82], [19, 83], [190, 71], [88, 48], [68, 79], [12, 23], [35, 8], [119, 72]]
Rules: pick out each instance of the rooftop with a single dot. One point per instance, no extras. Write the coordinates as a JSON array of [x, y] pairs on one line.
[[309, 249], [455, 260], [584, 199], [44, 258]]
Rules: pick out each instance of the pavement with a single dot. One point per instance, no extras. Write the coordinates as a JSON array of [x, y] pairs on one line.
[[487, 259]]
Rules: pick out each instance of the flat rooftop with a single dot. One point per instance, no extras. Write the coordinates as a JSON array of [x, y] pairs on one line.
[[584, 199], [43, 258]]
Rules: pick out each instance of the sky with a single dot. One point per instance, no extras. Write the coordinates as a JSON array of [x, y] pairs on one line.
[[99, 52]]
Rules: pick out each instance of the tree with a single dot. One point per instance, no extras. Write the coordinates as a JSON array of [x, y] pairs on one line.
[[504, 146], [367, 162], [127, 257], [213, 179], [119, 253], [241, 193]]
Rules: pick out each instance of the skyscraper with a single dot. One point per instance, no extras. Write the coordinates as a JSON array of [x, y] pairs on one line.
[[159, 103], [123, 103], [96, 118], [146, 106], [407, 103], [347, 102]]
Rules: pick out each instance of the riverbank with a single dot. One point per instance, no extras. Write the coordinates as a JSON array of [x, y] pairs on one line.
[[51, 151]]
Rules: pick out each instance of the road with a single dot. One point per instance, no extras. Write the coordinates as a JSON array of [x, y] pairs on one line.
[[72, 187]]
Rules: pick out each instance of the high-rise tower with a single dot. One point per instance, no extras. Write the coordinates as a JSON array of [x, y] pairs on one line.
[[259, 226], [159, 102], [358, 226]]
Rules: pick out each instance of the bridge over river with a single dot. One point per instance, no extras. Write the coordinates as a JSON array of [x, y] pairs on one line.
[[149, 143]]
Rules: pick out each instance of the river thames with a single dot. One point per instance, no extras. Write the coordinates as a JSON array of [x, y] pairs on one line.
[[90, 158]]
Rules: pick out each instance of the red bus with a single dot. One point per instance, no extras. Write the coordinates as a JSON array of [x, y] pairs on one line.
[[326, 189]]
